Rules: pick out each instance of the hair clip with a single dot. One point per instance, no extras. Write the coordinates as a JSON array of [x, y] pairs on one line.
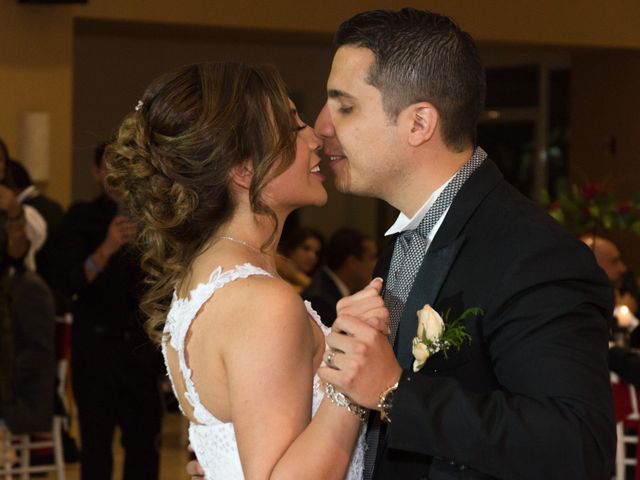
[[138, 106]]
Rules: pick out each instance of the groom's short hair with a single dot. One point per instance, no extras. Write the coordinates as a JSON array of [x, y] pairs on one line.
[[422, 56]]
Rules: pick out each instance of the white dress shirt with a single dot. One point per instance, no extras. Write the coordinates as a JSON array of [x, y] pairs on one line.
[[404, 223]]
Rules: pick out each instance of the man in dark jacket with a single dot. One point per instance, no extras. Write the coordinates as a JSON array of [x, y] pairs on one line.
[[351, 257], [114, 367], [528, 397]]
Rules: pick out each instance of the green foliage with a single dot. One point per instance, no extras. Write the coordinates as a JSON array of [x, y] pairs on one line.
[[454, 334], [593, 208]]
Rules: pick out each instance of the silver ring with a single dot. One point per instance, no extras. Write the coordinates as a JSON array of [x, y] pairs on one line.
[[329, 360]]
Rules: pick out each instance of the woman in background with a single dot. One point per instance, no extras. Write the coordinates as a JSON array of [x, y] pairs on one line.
[[302, 255]]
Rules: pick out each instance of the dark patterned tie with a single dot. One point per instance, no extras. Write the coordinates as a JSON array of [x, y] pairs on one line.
[[407, 257]]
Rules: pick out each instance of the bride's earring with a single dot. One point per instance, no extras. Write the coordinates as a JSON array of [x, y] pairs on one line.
[[242, 175]]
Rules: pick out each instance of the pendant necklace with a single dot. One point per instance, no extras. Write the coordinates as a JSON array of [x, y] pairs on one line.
[[272, 269], [241, 242]]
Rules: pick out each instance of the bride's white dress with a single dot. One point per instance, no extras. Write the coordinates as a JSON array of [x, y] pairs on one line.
[[214, 441]]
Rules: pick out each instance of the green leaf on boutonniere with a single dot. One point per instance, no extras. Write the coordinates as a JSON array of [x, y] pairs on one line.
[[437, 334]]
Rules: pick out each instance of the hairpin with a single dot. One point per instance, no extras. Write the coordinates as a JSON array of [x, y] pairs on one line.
[[138, 106]]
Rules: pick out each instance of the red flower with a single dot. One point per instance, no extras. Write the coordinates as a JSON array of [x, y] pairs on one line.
[[553, 206], [591, 190], [624, 207]]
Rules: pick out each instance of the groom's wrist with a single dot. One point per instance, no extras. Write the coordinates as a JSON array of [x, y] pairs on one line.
[[385, 401]]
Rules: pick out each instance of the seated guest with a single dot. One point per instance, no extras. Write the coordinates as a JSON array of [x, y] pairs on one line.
[[32, 221], [12, 214], [13, 247], [50, 211], [626, 363], [631, 290], [622, 360], [623, 321], [610, 260], [301, 255], [32, 314], [351, 257]]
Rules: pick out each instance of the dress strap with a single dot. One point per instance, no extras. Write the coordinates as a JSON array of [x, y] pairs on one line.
[[184, 310], [218, 279]]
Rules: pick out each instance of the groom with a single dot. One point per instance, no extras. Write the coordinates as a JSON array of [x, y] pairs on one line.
[[528, 397]]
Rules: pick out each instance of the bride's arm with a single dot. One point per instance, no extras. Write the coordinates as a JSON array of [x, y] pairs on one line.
[[269, 366]]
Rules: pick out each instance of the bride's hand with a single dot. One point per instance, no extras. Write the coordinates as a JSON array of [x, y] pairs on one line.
[[367, 305]]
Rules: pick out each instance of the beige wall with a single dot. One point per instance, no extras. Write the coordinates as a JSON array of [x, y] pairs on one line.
[[540, 22], [35, 75]]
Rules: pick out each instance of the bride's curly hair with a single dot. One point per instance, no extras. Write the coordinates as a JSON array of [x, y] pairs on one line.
[[172, 159]]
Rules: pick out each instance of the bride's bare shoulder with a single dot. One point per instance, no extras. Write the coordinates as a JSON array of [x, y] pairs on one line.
[[258, 300]]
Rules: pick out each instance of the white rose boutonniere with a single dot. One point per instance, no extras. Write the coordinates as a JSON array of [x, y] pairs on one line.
[[436, 335]]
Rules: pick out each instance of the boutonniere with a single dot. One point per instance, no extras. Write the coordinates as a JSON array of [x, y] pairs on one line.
[[437, 335]]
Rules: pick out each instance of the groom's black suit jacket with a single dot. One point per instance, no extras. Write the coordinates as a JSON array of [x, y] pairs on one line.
[[529, 396]]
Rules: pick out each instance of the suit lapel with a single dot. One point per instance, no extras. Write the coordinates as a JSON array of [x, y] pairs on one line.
[[442, 253]]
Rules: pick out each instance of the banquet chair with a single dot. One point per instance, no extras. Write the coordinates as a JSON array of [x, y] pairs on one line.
[[63, 351], [15, 453], [625, 400]]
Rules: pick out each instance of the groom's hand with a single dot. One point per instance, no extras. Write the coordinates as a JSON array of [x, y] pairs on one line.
[[363, 360], [367, 305], [194, 469]]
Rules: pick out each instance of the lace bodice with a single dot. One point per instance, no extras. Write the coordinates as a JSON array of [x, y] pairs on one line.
[[214, 441]]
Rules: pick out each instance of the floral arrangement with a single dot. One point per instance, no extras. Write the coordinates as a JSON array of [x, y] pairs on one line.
[[592, 207], [437, 335]]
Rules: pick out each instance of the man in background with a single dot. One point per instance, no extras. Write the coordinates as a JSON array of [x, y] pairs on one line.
[[351, 258], [114, 367], [622, 360], [610, 260]]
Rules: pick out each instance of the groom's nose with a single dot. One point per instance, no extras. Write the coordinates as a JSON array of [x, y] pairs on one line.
[[324, 126]]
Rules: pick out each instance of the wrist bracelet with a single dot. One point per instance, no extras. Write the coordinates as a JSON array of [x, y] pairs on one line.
[[341, 400], [385, 402], [92, 266]]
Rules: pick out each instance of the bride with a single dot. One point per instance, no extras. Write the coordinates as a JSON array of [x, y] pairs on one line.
[[210, 164]]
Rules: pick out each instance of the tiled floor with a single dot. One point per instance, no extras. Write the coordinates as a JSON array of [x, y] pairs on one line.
[[173, 454]]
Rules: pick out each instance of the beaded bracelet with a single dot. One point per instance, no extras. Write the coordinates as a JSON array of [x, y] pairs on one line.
[[341, 400]]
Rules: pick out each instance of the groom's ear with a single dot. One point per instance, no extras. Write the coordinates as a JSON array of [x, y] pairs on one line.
[[422, 122], [242, 174]]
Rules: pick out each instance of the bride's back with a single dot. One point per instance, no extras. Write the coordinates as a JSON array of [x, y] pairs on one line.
[[227, 295]]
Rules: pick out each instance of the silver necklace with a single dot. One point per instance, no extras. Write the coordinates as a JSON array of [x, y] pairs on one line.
[[241, 242]]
